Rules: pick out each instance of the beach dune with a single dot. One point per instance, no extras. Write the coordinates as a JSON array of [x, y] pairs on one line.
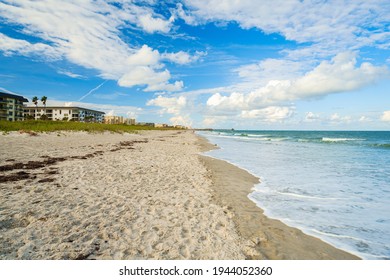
[[151, 195]]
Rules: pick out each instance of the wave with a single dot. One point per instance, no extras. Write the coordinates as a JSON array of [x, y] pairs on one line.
[[386, 146], [255, 137], [336, 235], [306, 196], [329, 139]]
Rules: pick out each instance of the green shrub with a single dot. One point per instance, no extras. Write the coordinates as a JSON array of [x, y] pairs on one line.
[[49, 126]]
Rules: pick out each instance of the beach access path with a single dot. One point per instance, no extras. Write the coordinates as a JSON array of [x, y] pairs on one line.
[[150, 195]]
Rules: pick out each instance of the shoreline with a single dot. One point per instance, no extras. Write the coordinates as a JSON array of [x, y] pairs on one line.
[[271, 238], [151, 195]]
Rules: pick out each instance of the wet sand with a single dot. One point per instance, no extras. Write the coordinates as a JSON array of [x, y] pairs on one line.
[[76, 195], [271, 238]]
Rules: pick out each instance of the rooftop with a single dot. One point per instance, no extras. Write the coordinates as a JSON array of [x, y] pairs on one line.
[[9, 95], [62, 107]]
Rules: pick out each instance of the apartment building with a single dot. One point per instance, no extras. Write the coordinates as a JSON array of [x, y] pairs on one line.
[[118, 120], [11, 107], [114, 119], [64, 114]]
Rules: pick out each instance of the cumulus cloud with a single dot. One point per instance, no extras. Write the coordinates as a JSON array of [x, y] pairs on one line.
[[170, 105], [232, 102], [386, 116], [181, 120], [151, 24], [175, 106], [268, 114], [145, 56], [341, 74], [87, 33]]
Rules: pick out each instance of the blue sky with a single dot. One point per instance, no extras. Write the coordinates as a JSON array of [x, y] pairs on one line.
[[220, 63]]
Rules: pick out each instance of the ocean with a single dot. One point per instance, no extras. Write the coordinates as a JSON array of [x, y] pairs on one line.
[[334, 185]]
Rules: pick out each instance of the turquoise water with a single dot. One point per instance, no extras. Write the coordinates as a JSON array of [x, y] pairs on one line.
[[330, 184]]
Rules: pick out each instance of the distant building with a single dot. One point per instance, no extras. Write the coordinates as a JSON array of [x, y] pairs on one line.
[[11, 107], [130, 121], [118, 120], [114, 119], [159, 125], [180, 126], [64, 114]]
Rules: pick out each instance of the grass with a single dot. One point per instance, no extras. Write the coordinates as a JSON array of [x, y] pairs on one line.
[[50, 126]]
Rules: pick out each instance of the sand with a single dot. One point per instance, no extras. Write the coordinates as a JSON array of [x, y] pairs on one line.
[[149, 195], [270, 238]]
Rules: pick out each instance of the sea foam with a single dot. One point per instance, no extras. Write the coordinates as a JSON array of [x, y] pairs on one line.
[[339, 193]]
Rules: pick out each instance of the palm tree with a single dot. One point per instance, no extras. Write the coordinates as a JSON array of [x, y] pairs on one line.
[[43, 99], [35, 101]]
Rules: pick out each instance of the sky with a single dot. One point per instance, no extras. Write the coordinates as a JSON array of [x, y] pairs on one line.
[[277, 64]]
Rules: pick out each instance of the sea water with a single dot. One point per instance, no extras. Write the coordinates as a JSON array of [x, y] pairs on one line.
[[332, 185]]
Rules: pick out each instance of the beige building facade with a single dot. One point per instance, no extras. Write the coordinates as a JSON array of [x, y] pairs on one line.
[[64, 114], [118, 120]]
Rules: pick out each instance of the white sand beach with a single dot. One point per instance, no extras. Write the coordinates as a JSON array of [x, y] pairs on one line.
[[76, 195]]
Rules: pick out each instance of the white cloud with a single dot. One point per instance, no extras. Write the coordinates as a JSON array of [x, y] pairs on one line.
[[173, 105], [170, 105], [110, 113], [310, 117], [181, 13], [181, 120], [337, 119], [341, 74], [232, 102], [87, 33], [364, 119], [145, 56], [210, 121], [143, 75], [269, 114], [183, 57], [331, 24], [151, 24], [270, 68], [70, 74], [386, 116], [10, 46]]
